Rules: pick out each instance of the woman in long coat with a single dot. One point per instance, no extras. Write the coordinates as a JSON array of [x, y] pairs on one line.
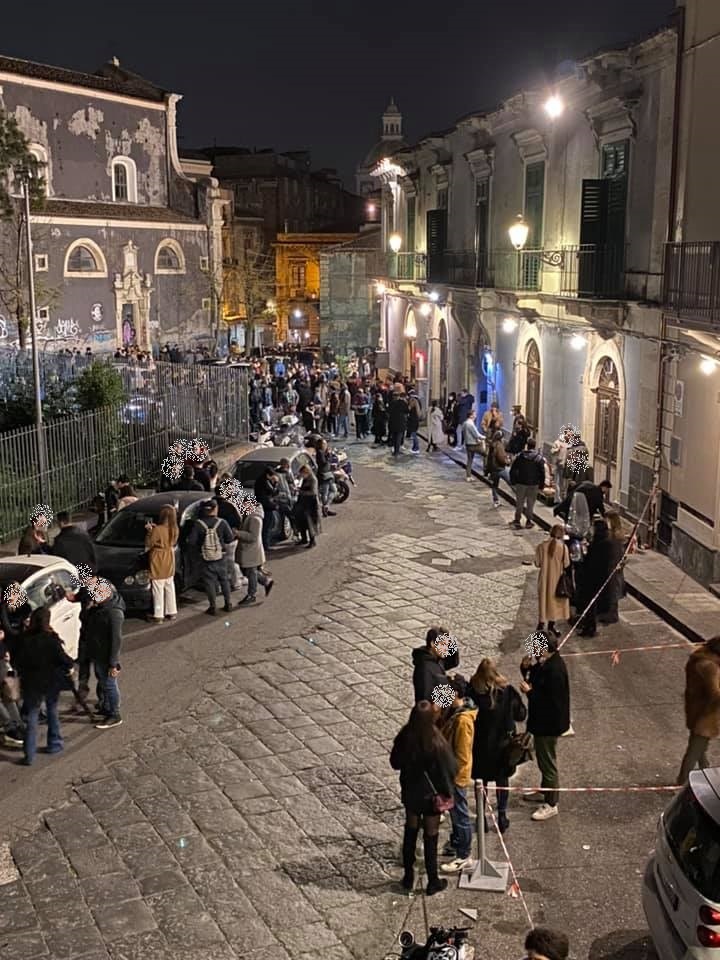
[[308, 507], [607, 606], [379, 418], [552, 557], [436, 419], [160, 541]]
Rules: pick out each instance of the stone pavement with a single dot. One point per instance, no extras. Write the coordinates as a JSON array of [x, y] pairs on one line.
[[266, 823]]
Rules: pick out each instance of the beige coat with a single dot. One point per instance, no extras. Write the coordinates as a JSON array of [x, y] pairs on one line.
[[161, 552], [551, 608], [702, 693], [250, 549]]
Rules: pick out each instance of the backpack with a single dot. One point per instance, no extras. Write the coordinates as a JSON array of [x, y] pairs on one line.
[[211, 546]]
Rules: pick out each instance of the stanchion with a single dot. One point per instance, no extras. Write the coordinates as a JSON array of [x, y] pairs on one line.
[[484, 874]]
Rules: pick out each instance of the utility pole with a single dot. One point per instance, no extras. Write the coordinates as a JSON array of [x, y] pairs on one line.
[[39, 432]]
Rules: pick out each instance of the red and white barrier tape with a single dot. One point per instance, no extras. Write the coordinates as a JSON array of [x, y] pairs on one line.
[[515, 890], [663, 789], [615, 654]]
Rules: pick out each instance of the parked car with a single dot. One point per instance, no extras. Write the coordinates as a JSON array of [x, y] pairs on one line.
[[251, 465], [45, 580], [120, 545], [681, 887]]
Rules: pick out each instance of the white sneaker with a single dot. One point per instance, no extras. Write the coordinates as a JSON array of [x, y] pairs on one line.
[[570, 732], [456, 866], [469, 479], [495, 505], [545, 812]]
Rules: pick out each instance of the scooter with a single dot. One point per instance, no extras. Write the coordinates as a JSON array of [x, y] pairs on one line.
[[442, 944], [343, 461]]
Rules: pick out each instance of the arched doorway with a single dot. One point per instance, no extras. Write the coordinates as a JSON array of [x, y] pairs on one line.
[[410, 335], [607, 419], [443, 368], [532, 387]]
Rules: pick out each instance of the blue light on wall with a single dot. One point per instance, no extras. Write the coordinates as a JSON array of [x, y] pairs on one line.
[[488, 365]]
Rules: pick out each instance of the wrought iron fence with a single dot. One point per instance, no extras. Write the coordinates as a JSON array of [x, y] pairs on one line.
[[84, 452], [593, 271], [408, 266], [691, 287], [515, 270]]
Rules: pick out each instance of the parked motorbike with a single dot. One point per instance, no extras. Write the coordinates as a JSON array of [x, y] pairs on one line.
[[442, 944], [343, 461]]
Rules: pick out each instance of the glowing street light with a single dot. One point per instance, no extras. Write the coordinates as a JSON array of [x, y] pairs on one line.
[[425, 309], [708, 366], [371, 210], [434, 296], [509, 325], [380, 287], [554, 107], [577, 341], [519, 233], [297, 314], [395, 241]]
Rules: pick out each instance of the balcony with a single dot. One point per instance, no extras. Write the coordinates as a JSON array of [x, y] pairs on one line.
[[593, 272], [691, 287], [407, 266]]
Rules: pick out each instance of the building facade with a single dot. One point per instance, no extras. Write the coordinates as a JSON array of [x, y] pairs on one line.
[[349, 300], [569, 327], [123, 246]]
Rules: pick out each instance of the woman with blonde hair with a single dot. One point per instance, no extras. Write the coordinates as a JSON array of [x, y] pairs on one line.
[[500, 707], [553, 558], [160, 541]]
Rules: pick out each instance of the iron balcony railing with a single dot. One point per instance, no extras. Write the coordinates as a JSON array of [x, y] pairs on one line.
[[407, 266], [691, 287], [592, 271], [504, 269]]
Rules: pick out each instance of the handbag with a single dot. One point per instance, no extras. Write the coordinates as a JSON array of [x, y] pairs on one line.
[[518, 749], [441, 803], [564, 588]]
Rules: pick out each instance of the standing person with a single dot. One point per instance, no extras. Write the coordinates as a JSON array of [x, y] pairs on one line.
[[42, 665], [451, 419], [73, 543], [307, 510], [286, 493], [702, 706], [413, 423], [102, 625], [427, 768], [607, 606], [519, 436], [265, 490], [343, 412], [188, 480], [326, 478], [545, 681], [492, 420], [429, 665], [593, 574], [207, 537], [552, 557], [398, 418], [379, 419], [500, 707], [332, 412], [12, 731], [127, 496], [361, 406], [527, 475], [558, 459], [544, 944], [473, 443], [34, 539], [435, 427], [458, 726], [496, 465], [251, 556], [160, 541], [464, 406]]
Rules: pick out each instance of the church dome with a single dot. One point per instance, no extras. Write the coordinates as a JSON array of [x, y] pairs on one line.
[[392, 137]]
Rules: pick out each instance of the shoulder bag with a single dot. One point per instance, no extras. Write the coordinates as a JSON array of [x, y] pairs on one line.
[[441, 803], [564, 588]]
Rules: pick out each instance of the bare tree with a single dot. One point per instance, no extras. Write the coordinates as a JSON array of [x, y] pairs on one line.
[[249, 285]]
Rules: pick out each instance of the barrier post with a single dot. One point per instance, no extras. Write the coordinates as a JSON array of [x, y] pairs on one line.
[[483, 874]]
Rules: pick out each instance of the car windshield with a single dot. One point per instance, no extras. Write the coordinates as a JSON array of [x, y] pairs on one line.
[[15, 573], [126, 529], [694, 838], [247, 471]]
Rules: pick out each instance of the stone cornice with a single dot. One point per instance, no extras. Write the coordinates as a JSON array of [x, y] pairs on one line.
[[614, 119], [531, 145], [481, 162]]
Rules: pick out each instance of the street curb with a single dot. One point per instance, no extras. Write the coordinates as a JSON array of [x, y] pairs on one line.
[[635, 591]]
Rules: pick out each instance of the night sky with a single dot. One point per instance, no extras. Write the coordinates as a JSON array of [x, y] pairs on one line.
[[316, 74]]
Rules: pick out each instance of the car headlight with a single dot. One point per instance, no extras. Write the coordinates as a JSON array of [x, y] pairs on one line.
[[129, 581], [142, 578]]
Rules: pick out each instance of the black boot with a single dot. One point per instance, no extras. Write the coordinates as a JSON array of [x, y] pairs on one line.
[[408, 855], [435, 884]]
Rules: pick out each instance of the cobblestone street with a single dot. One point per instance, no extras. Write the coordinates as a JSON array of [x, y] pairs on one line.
[[266, 824]]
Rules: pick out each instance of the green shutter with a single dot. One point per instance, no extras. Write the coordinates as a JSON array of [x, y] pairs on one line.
[[436, 244], [535, 202], [410, 232]]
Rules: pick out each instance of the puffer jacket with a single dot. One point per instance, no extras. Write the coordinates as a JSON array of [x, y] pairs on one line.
[[528, 469], [428, 673], [459, 730], [702, 692]]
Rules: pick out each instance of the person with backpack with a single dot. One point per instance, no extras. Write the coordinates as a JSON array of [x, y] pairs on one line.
[[209, 535]]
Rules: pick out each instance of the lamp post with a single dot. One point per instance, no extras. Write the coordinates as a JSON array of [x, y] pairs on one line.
[[24, 175], [395, 242]]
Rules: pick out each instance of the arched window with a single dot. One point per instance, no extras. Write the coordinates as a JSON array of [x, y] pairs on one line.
[[607, 415], [124, 180], [532, 390], [85, 259], [169, 258], [41, 155]]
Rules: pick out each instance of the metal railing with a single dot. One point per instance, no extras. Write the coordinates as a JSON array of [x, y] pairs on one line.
[[407, 266], [84, 452], [593, 271], [515, 270], [691, 288]]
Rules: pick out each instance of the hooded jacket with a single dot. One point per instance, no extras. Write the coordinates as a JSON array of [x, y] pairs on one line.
[[101, 629], [528, 469], [459, 730], [702, 692], [428, 673]]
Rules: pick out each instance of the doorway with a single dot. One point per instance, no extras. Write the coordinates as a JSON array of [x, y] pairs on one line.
[[443, 370], [532, 388], [129, 333], [607, 419]]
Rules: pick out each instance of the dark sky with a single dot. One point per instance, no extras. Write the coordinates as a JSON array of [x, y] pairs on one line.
[[317, 74]]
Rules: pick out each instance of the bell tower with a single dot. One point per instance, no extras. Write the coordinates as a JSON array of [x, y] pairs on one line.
[[392, 122]]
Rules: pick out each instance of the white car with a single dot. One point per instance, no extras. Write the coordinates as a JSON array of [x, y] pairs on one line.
[[45, 580], [681, 888]]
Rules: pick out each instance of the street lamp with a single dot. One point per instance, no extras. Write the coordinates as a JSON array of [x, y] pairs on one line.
[[519, 233], [425, 309], [509, 325], [24, 175], [554, 107], [578, 341], [395, 241], [381, 288], [434, 296], [410, 327], [708, 366], [297, 314]]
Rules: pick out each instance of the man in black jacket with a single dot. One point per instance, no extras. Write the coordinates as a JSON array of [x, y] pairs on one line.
[[398, 413], [73, 544], [429, 665], [548, 691], [100, 643], [527, 475], [594, 493]]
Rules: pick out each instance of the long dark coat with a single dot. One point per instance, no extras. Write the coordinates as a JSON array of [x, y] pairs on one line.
[[398, 415], [415, 792], [494, 723]]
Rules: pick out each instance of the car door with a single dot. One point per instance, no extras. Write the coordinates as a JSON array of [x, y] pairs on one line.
[[64, 614], [190, 567]]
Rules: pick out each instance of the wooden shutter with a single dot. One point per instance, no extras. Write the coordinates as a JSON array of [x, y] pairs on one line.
[[436, 244], [410, 232], [593, 224], [535, 202]]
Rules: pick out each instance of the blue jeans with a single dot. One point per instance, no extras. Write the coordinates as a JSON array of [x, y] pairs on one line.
[[461, 836], [32, 704], [109, 690], [343, 423], [415, 442]]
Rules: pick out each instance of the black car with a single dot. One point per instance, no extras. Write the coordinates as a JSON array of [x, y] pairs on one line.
[[251, 465], [120, 545]]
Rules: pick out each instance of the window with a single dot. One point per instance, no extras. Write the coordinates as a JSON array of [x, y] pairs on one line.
[[41, 155], [41, 262], [614, 161], [607, 416], [436, 245], [482, 226], [694, 838], [169, 258], [532, 387], [206, 303], [298, 273], [442, 199], [84, 258], [43, 314], [410, 230], [204, 264], [124, 180]]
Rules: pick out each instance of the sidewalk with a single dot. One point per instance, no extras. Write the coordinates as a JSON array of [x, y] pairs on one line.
[[650, 577]]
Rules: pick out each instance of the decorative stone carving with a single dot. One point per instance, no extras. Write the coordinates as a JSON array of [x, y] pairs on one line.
[[614, 119], [132, 301], [531, 145], [481, 162]]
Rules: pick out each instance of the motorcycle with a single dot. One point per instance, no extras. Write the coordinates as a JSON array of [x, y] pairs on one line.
[[442, 944], [343, 461]]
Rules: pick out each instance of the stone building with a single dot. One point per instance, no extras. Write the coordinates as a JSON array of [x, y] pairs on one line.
[[569, 326], [349, 301], [391, 140], [126, 246]]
